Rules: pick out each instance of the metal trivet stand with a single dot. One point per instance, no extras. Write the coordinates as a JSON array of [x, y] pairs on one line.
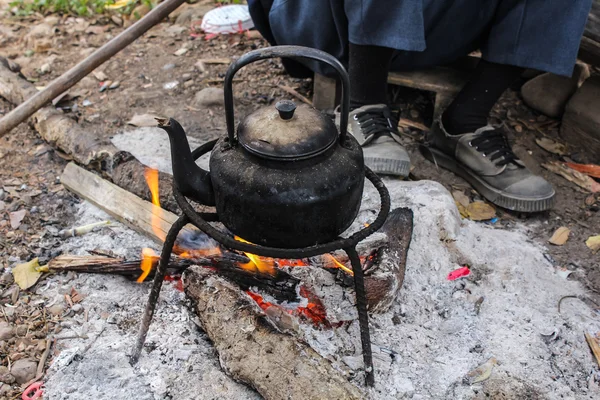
[[201, 221]]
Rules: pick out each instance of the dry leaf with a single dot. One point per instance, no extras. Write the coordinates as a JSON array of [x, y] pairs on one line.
[[143, 120], [593, 242], [480, 211], [118, 5], [26, 275], [592, 170], [560, 236], [552, 147], [462, 210], [481, 373], [16, 217], [571, 175], [461, 198]]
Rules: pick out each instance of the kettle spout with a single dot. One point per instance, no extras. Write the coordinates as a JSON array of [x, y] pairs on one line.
[[191, 180]]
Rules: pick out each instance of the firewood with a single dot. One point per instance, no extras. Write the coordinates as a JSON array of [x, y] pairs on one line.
[[254, 351], [83, 145]]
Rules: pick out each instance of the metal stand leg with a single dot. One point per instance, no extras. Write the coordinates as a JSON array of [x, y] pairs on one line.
[[363, 317], [159, 277]]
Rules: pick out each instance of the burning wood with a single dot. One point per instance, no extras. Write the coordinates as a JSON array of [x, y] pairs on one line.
[[252, 347]]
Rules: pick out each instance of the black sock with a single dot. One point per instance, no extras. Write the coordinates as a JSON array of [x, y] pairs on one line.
[[470, 109], [368, 69]]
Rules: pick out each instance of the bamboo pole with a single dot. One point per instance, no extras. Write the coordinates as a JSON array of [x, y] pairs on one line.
[[79, 71]]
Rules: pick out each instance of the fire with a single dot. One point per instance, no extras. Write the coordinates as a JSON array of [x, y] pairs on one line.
[[314, 310], [146, 264], [151, 176], [263, 265], [339, 264]]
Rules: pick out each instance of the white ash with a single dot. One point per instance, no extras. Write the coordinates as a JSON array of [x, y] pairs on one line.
[[436, 332], [182, 363]]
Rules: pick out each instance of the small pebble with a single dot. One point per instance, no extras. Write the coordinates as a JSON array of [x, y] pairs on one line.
[[56, 309], [105, 85], [77, 308], [171, 85], [181, 51], [114, 85], [23, 370], [167, 67], [86, 103]]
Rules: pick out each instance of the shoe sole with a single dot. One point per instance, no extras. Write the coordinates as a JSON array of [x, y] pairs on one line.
[[496, 196], [386, 166]]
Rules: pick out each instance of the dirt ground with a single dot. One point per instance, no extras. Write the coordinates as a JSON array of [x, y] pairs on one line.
[[152, 79]]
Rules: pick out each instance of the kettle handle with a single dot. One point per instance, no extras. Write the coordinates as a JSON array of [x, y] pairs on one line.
[[293, 52]]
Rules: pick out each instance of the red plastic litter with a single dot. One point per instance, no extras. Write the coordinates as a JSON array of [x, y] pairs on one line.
[[459, 273], [36, 388]]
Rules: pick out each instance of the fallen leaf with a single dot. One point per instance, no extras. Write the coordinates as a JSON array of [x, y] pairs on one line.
[[117, 5], [461, 198], [480, 211], [142, 120], [594, 346], [578, 178], [101, 76], [552, 147], [26, 275], [592, 170], [593, 242], [560, 236], [481, 373], [16, 217]]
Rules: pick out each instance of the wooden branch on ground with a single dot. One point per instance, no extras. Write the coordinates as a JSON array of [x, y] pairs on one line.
[[28, 107], [280, 285], [86, 148], [252, 350]]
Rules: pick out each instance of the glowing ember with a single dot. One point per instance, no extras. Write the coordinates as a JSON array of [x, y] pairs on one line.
[[146, 265], [151, 176], [314, 310]]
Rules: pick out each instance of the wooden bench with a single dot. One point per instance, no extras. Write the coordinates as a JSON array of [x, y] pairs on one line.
[[444, 82]]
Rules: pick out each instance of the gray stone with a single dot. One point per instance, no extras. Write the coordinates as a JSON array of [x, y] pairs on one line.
[[6, 331], [5, 375], [549, 93], [210, 96], [193, 12], [56, 309], [23, 370], [581, 122]]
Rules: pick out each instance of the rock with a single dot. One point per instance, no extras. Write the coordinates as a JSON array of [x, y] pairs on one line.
[[193, 12], [6, 331], [581, 122], [5, 375], [549, 93], [23, 370], [56, 309], [7, 279], [210, 96], [139, 11]]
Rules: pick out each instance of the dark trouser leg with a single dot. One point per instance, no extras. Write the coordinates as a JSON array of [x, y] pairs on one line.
[[470, 109], [368, 68]]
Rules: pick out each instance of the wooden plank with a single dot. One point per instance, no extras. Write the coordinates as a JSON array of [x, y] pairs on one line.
[[438, 79], [126, 207]]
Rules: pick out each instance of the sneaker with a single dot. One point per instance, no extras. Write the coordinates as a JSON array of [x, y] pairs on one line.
[[485, 159], [376, 131]]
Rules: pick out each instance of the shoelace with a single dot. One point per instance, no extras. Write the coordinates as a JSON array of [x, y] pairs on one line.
[[377, 122], [494, 144]]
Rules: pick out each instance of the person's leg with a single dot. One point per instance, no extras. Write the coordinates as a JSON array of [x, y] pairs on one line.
[[470, 109], [368, 69], [370, 120]]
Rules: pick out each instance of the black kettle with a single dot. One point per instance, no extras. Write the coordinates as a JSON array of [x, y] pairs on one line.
[[288, 179]]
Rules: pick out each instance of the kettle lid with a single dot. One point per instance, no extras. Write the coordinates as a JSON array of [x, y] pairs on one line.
[[287, 132]]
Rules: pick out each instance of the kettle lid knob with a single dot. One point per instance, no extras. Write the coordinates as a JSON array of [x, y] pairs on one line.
[[286, 109]]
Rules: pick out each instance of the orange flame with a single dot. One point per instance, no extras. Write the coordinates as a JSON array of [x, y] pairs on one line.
[[151, 176], [339, 264], [263, 265], [146, 264]]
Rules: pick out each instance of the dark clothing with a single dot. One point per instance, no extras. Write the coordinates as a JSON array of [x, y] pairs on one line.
[[537, 34]]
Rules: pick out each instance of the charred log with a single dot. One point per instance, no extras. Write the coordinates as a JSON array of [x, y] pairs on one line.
[[253, 350]]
